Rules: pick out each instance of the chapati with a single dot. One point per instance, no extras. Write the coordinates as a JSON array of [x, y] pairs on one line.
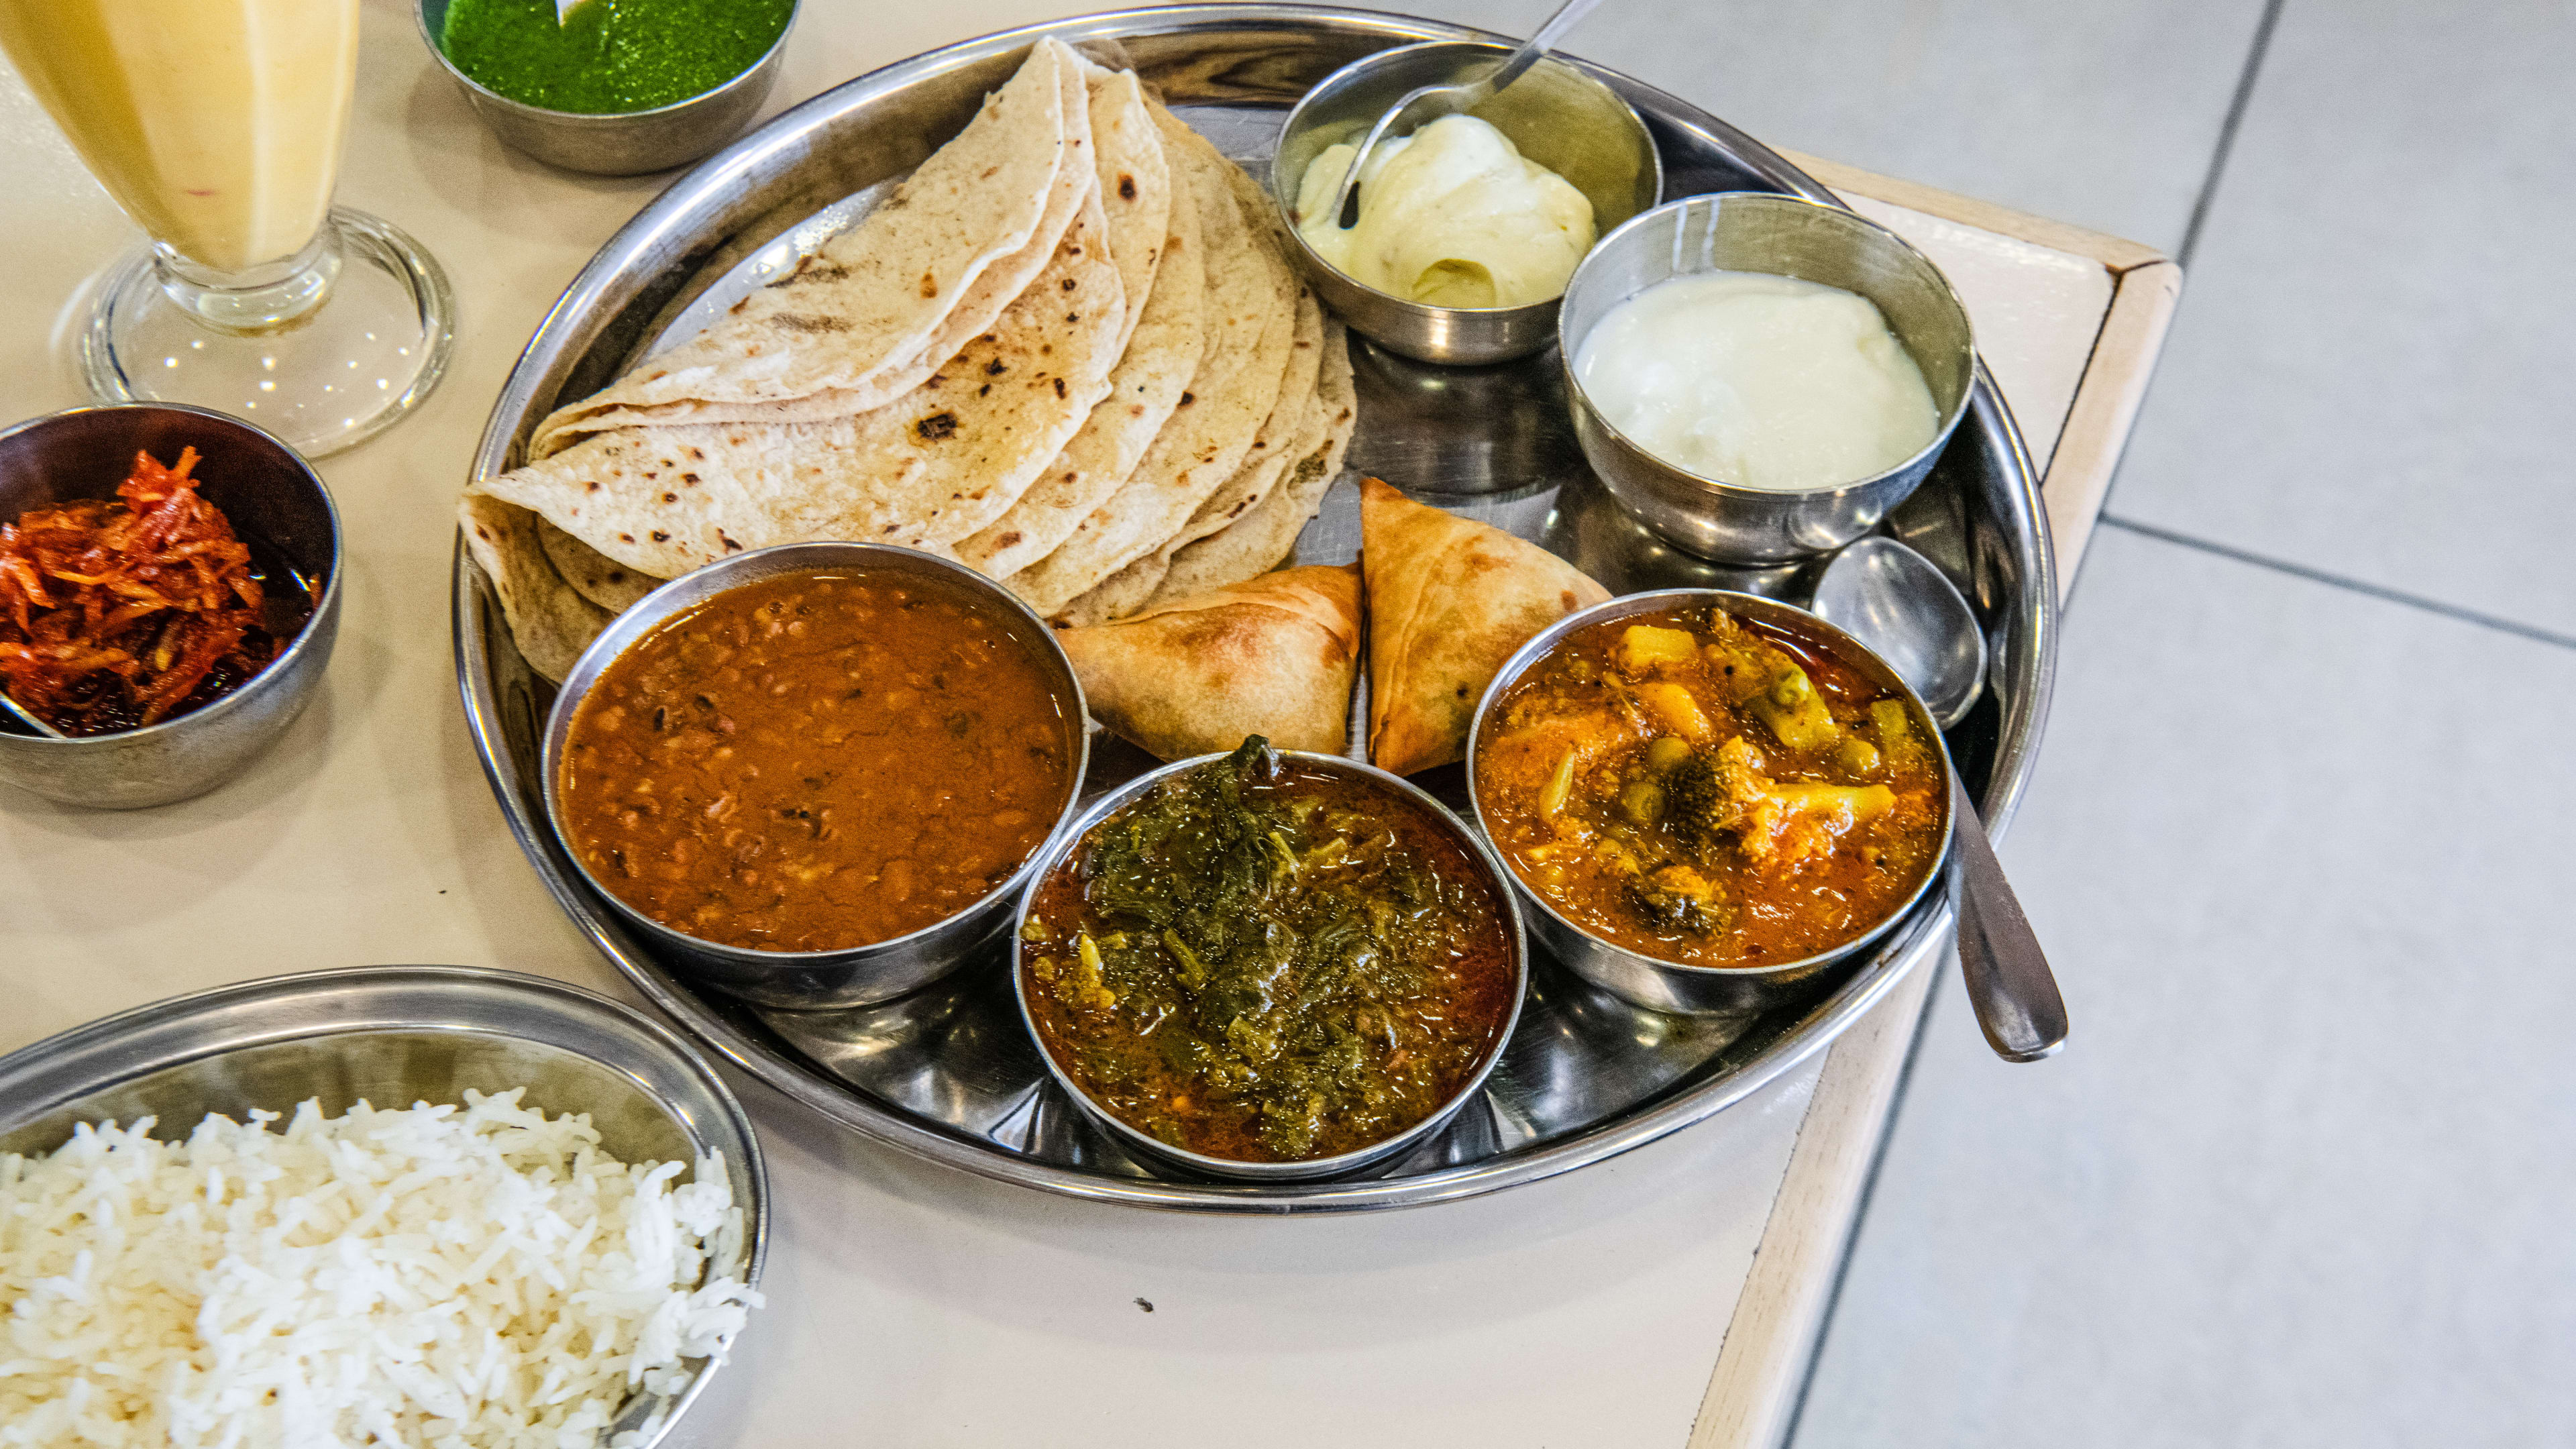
[[931, 468], [859, 315]]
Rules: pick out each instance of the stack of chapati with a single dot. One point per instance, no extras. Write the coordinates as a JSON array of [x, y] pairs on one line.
[[1069, 350]]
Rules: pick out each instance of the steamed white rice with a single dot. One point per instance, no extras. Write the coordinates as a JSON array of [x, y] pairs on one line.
[[442, 1276]]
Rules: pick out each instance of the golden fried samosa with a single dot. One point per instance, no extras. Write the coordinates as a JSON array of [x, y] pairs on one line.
[[1271, 656], [1449, 599]]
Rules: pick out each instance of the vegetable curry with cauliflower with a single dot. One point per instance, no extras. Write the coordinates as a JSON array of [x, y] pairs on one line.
[[1711, 790]]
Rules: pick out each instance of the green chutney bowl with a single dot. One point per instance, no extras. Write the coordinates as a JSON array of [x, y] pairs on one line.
[[616, 143]]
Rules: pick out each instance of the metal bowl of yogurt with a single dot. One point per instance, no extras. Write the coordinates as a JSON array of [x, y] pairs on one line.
[[1760, 378], [1553, 149]]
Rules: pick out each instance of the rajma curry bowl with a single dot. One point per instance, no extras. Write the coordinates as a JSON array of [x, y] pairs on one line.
[[819, 774]]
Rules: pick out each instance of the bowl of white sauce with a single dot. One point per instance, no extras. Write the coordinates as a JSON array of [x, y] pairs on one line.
[[1759, 378], [1463, 234]]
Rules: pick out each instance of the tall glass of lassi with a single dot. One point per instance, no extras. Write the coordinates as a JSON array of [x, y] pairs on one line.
[[218, 126]]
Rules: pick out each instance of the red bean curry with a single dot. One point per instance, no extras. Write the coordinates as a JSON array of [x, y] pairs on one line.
[[1711, 790], [816, 761]]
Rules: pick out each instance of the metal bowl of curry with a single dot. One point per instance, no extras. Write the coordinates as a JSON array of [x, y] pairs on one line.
[[1270, 965], [819, 773], [1710, 798]]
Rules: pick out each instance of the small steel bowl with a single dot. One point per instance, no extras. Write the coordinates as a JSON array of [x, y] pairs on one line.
[[1559, 116], [1498, 879], [855, 975], [1671, 986], [396, 1035], [615, 143], [275, 502], [1753, 231]]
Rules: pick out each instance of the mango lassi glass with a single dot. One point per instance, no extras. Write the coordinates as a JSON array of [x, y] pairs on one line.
[[218, 126]]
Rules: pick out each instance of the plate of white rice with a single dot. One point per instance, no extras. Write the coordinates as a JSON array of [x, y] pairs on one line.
[[386, 1206]]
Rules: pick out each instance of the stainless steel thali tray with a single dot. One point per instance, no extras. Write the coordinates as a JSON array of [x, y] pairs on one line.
[[949, 1073]]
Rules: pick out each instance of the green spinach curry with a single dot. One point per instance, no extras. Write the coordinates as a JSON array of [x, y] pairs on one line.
[[1269, 960]]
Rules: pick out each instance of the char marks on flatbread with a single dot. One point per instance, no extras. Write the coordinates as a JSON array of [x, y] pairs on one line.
[[594, 575], [1156, 368], [863, 318], [1136, 183], [1292, 430], [1267, 533], [929, 469], [551, 621], [1251, 320]]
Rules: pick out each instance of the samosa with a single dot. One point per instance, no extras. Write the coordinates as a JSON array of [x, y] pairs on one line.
[[1272, 656], [1449, 599]]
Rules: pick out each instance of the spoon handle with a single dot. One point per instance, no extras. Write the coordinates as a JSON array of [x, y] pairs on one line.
[[2006, 973], [1538, 45]]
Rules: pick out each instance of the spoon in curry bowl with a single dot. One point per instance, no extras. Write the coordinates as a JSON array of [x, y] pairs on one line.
[[1901, 605]]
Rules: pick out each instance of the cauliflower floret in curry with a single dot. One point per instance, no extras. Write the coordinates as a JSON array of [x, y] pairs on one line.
[[1733, 792], [1723, 794]]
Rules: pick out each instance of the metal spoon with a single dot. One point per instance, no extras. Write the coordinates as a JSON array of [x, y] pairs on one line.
[[1898, 603], [1425, 104], [27, 717]]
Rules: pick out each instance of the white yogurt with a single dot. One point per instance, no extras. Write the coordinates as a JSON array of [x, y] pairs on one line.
[[1759, 380]]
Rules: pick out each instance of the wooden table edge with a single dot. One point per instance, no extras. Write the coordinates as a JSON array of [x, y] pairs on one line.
[[1773, 1332]]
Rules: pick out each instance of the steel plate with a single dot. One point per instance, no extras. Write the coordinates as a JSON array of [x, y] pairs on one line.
[[396, 1035], [950, 1074]]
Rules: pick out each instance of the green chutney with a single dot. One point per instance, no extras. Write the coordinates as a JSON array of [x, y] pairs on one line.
[[612, 55]]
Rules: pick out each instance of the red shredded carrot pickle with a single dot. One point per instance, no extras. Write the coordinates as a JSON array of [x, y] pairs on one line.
[[118, 614]]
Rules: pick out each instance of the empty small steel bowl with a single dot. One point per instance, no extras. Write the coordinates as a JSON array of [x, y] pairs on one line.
[[1750, 231], [1497, 879], [274, 501], [1673, 986], [396, 1035], [855, 975], [1559, 116], [615, 143]]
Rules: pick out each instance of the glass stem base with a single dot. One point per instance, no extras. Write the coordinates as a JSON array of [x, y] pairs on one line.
[[325, 349], [266, 298]]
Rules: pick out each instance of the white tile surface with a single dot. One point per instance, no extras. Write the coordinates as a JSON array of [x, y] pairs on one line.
[[2099, 112], [2301, 1176], [2371, 371]]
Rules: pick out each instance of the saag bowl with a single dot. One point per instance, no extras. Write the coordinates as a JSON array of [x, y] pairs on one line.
[[1675, 986], [1495, 878]]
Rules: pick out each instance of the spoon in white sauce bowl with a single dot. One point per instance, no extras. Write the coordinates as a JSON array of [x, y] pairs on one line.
[[1425, 104]]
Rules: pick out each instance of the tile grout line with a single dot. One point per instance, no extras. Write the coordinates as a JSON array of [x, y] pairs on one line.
[[2238, 103], [2236, 107], [2340, 581]]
